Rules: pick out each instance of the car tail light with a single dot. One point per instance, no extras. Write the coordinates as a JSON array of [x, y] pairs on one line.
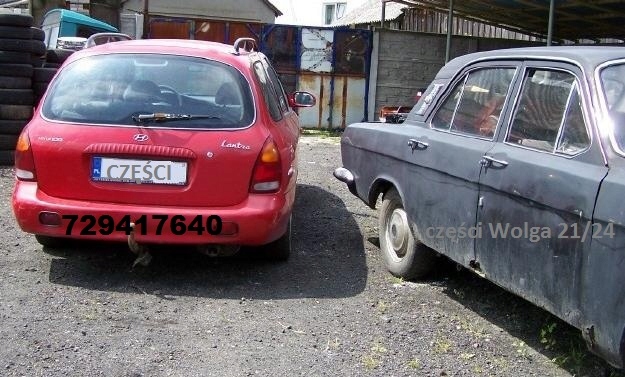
[[268, 169], [24, 160]]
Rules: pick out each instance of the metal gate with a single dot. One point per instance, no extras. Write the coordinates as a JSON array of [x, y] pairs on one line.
[[333, 64]]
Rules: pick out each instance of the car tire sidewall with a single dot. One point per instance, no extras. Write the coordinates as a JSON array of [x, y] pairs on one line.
[[418, 259]]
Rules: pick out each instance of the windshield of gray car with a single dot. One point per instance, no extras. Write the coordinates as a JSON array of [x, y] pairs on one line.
[[117, 88], [613, 83]]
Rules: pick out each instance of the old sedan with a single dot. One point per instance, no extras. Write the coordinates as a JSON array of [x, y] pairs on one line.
[[162, 142], [513, 165]]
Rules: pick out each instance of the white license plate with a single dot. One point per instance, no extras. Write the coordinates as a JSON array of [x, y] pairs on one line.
[[139, 171]]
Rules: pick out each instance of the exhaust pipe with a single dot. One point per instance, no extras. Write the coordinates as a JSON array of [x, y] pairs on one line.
[[142, 251]]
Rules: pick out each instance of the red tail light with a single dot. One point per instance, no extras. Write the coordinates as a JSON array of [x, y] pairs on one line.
[[268, 169], [24, 160]]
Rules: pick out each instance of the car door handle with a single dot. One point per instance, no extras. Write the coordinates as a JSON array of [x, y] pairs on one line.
[[488, 161], [417, 144]]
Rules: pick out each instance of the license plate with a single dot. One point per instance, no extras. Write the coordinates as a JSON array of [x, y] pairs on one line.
[[139, 171]]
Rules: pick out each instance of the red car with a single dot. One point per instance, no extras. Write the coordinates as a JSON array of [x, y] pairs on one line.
[[162, 142]]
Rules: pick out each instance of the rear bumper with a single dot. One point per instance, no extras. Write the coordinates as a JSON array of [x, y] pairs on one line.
[[257, 221], [347, 177]]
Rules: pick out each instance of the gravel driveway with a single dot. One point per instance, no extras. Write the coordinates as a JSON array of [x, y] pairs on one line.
[[331, 310]]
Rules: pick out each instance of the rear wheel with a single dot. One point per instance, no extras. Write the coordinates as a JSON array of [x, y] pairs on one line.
[[280, 249], [405, 256]]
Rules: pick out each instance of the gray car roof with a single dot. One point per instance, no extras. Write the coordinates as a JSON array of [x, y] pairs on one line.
[[588, 57]]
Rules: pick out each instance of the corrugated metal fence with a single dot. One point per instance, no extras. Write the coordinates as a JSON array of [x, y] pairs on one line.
[[333, 64]]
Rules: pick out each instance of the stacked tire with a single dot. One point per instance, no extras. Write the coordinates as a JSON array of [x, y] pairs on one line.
[[21, 49]]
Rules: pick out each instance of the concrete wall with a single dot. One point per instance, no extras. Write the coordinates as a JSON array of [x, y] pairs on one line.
[[404, 62], [232, 10]]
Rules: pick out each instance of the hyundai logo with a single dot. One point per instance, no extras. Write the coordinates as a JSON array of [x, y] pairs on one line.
[[140, 137]]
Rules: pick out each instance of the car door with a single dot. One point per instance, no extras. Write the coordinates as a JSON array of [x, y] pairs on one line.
[[538, 187], [442, 169]]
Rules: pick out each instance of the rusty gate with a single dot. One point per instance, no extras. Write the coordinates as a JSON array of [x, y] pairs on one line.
[[333, 64]]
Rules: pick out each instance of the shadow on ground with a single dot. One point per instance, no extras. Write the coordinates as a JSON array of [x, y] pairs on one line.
[[328, 261], [535, 327]]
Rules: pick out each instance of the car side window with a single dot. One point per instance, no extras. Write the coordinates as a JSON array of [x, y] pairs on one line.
[[475, 105], [274, 80], [268, 93], [549, 116], [574, 137]]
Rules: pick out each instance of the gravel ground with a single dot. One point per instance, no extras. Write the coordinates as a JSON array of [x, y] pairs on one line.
[[331, 310]]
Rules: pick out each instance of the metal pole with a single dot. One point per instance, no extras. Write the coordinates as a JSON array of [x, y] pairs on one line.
[[450, 24], [146, 21], [550, 26], [383, 14]]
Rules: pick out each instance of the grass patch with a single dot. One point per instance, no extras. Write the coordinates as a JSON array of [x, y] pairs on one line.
[[322, 132]]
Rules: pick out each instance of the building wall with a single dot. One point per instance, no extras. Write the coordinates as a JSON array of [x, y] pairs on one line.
[[406, 62], [239, 10], [308, 12]]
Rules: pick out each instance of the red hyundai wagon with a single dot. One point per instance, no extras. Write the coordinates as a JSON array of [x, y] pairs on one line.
[[162, 142]]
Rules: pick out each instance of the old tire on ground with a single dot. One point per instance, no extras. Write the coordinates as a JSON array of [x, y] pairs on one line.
[[8, 142], [12, 127], [19, 70], [17, 97], [10, 82], [16, 32], [403, 255], [58, 55], [11, 57], [20, 45], [38, 34], [7, 158], [280, 249], [44, 74], [9, 19], [16, 112]]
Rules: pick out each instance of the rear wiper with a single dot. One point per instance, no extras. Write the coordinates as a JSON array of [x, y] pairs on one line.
[[164, 117]]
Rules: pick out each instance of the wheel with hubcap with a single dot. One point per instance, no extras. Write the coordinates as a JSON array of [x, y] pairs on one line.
[[404, 256]]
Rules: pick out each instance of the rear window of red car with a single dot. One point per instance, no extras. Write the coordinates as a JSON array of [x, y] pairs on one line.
[[115, 88]]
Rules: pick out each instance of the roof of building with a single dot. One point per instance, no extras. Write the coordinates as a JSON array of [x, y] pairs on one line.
[[370, 12], [573, 19]]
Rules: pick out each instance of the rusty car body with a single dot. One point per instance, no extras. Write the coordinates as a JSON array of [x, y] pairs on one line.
[[512, 164]]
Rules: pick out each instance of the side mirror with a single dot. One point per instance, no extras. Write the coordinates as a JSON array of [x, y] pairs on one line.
[[302, 99]]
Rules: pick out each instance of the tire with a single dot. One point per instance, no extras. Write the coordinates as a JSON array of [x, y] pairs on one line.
[[280, 249], [16, 32], [16, 112], [44, 74], [58, 55], [8, 142], [38, 34], [10, 82], [24, 20], [404, 256], [17, 97], [51, 65], [20, 45], [12, 127], [7, 158], [51, 242], [14, 57], [18, 70]]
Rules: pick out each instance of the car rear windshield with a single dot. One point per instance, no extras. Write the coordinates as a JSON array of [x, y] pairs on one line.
[[613, 83], [126, 89]]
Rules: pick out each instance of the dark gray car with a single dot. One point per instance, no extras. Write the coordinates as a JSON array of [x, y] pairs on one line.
[[513, 165]]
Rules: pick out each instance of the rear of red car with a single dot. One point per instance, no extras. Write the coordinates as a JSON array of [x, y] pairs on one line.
[[169, 147]]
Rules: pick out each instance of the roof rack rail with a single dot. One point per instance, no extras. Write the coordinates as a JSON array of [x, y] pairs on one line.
[[251, 42], [102, 38]]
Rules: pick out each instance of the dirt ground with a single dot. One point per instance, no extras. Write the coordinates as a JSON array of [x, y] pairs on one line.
[[332, 309]]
